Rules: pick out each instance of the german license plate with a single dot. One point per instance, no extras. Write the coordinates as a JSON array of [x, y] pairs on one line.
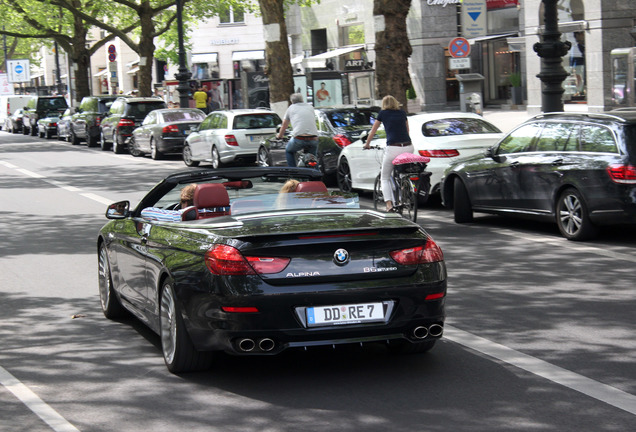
[[345, 314], [257, 138]]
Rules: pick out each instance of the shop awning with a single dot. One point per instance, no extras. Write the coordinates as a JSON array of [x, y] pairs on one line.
[[318, 60], [132, 63], [248, 55], [490, 37], [564, 27], [297, 59], [133, 71], [205, 58], [101, 73]]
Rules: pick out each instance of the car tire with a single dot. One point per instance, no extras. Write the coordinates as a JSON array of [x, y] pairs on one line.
[[117, 148], [132, 147], [178, 351], [572, 216], [462, 209], [111, 305], [187, 157], [25, 131], [73, 138], [102, 141], [216, 158], [378, 197], [40, 134], [48, 134], [155, 154], [343, 175], [405, 347], [263, 158], [33, 130], [91, 141]]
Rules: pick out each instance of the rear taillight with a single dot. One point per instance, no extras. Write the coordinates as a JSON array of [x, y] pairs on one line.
[[53, 125], [244, 309], [126, 122], [439, 153], [170, 129], [227, 260], [624, 174], [428, 253], [98, 121], [231, 140], [341, 140]]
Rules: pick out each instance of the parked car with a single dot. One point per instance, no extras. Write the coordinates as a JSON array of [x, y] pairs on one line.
[[164, 131], [337, 128], [47, 126], [124, 115], [8, 105], [229, 136], [39, 107], [576, 169], [249, 270], [85, 122], [14, 122], [64, 125], [443, 137]]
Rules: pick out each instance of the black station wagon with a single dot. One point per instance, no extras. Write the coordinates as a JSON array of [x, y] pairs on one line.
[[576, 169]]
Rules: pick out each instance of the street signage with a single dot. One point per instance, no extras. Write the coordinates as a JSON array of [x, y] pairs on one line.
[[459, 47], [111, 49], [5, 86], [459, 63], [112, 66], [19, 70], [112, 57], [474, 14]]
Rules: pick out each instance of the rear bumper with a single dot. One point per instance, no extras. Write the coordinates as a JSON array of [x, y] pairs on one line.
[[171, 144]]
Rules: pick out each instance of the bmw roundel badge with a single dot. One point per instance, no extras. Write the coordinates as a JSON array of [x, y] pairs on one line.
[[341, 257]]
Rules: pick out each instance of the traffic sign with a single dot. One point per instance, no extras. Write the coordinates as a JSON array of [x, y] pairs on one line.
[[459, 47], [111, 49], [112, 57], [19, 70]]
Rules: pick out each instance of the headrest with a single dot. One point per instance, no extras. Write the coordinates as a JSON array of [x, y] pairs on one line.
[[211, 195], [311, 186], [238, 184]]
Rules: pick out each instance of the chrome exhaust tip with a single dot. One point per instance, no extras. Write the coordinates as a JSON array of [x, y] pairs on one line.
[[266, 344], [436, 330], [420, 332], [246, 345]]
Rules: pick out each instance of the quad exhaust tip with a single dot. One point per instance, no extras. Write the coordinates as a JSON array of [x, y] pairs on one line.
[[246, 345], [434, 330], [249, 345], [266, 344]]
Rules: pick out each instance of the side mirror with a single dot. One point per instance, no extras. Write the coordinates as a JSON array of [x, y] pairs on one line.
[[118, 210], [363, 136], [490, 152]]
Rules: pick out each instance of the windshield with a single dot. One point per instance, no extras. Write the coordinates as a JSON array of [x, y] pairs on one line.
[[457, 126], [140, 110], [175, 116]]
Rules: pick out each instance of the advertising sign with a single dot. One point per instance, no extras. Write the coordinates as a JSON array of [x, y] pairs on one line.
[[19, 70], [6, 88]]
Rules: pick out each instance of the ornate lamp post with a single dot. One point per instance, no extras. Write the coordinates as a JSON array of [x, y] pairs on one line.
[[551, 49], [184, 74]]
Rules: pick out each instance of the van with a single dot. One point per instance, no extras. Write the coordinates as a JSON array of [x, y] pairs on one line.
[[9, 104]]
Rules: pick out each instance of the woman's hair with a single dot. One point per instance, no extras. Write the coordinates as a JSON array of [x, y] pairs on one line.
[[187, 194], [296, 98], [390, 103], [289, 186]]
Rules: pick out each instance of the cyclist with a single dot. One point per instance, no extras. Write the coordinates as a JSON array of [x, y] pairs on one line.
[[304, 131], [398, 141]]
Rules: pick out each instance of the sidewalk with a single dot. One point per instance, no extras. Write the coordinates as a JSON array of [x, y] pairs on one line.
[[510, 118]]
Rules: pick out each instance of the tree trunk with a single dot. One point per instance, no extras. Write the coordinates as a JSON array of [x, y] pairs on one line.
[[146, 50], [80, 57], [392, 50], [278, 64]]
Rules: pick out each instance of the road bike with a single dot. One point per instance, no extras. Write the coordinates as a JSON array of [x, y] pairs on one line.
[[408, 177]]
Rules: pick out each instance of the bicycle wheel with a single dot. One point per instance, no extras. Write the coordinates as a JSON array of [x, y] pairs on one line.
[[408, 197], [378, 198]]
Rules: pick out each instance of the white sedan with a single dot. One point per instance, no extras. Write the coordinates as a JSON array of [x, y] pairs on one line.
[[443, 137], [229, 136]]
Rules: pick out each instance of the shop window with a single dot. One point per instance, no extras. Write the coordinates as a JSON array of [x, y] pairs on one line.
[[318, 41]]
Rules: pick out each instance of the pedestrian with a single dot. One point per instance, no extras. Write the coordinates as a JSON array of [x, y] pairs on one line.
[[201, 99], [215, 102], [398, 141], [304, 132]]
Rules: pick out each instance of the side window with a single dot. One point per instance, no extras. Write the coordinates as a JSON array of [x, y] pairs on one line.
[[519, 140], [116, 107], [555, 137], [214, 121], [598, 139], [150, 119], [206, 123], [222, 122]]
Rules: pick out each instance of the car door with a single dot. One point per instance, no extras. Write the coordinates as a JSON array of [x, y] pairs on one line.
[[142, 133], [199, 140], [493, 181], [109, 121]]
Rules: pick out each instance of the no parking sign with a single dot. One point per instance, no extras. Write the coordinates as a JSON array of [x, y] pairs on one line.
[[459, 47]]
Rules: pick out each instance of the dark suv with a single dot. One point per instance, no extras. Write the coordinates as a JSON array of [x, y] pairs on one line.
[[39, 107], [84, 123], [578, 170], [124, 115]]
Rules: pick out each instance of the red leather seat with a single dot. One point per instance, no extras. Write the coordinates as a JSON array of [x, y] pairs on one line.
[[311, 186], [211, 200]]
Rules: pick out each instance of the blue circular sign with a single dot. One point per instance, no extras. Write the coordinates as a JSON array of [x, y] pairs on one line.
[[19, 69], [111, 49]]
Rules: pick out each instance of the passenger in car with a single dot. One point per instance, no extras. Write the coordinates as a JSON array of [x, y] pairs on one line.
[[159, 214]]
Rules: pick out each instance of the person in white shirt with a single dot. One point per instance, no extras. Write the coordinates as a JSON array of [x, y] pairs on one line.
[[304, 131]]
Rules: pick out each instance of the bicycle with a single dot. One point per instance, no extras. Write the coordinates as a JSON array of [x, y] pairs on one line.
[[304, 157], [408, 177]]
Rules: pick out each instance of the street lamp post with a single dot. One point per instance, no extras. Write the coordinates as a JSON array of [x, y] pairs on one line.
[[183, 76], [551, 49]]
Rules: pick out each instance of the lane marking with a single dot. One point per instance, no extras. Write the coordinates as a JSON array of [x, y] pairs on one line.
[[589, 387], [34, 403]]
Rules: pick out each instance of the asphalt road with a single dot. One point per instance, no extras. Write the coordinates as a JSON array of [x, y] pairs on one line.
[[539, 337]]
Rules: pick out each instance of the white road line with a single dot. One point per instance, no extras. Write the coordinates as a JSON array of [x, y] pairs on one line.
[[594, 389], [34, 403]]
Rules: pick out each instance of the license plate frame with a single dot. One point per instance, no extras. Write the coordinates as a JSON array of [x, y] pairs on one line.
[[346, 314]]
